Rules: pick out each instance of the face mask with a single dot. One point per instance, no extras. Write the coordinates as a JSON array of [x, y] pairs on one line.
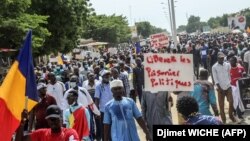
[[72, 84], [85, 66]]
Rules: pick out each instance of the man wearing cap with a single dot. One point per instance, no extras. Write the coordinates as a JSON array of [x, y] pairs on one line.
[[55, 133], [38, 113], [103, 95], [222, 79], [119, 116], [77, 116]]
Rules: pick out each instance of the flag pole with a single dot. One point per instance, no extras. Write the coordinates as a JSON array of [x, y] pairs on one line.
[[26, 103]]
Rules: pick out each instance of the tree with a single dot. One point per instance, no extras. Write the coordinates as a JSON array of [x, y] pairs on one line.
[[157, 30], [144, 28], [223, 20], [181, 28], [112, 29], [15, 22], [193, 24], [65, 22]]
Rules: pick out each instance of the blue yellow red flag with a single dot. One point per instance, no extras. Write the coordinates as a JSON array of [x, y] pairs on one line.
[[18, 84]]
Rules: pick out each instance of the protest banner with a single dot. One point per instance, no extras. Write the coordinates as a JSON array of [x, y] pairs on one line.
[[168, 72], [112, 51], [238, 22], [159, 40], [53, 60], [79, 57]]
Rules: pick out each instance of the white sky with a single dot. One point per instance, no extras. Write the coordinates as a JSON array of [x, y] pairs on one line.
[[152, 10]]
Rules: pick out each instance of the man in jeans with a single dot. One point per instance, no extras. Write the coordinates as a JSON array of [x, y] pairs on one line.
[[221, 75]]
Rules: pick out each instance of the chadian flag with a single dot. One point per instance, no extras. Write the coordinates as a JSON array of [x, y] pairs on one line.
[[17, 85], [78, 121]]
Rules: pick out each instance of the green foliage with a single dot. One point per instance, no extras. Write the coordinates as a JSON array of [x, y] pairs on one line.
[[181, 28], [218, 21], [145, 29], [112, 29], [15, 22], [65, 22], [194, 24], [222, 21]]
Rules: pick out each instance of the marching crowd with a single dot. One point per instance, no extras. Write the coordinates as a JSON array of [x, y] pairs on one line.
[[95, 99]]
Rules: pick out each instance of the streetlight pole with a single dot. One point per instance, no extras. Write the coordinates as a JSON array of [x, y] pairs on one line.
[[170, 17], [174, 33]]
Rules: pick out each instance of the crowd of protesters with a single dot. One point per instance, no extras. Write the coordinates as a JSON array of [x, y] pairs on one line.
[[97, 96]]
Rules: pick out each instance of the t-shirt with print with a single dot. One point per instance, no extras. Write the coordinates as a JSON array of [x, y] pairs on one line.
[[46, 135]]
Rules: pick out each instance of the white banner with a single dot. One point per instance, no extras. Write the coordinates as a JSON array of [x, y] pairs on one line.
[[168, 72], [159, 40], [237, 22], [53, 60], [112, 51]]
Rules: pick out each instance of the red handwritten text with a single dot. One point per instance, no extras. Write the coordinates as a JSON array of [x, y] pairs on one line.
[[155, 59], [169, 72]]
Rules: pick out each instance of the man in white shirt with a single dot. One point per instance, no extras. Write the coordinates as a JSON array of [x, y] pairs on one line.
[[222, 79], [56, 89], [84, 97], [247, 60]]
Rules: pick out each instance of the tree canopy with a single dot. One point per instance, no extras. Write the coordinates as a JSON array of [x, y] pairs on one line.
[[15, 22], [113, 29], [65, 22], [195, 24], [145, 29]]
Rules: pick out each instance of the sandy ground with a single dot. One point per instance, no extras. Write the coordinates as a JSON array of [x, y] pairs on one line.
[[175, 117]]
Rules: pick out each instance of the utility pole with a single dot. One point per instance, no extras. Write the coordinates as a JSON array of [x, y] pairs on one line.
[[174, 34], [170, 17]]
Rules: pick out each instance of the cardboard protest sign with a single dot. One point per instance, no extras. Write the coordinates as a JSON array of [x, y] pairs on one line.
[[79, 57], [53, 60], [168, 72], [112, 51], [159, 40]]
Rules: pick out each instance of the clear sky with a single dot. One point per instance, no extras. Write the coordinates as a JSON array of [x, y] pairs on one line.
[[153, 11]]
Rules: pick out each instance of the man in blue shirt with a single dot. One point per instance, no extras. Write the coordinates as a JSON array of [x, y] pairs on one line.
[[103, 95], [204, 94], [119, 116], [204, 55]]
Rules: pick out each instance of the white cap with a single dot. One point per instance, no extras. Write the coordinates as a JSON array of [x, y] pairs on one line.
[[116, 83], [105, 72], [41, 85]]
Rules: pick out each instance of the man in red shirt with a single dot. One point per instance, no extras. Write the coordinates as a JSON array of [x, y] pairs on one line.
[[39, 111], [236, 72], [55, 133]]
